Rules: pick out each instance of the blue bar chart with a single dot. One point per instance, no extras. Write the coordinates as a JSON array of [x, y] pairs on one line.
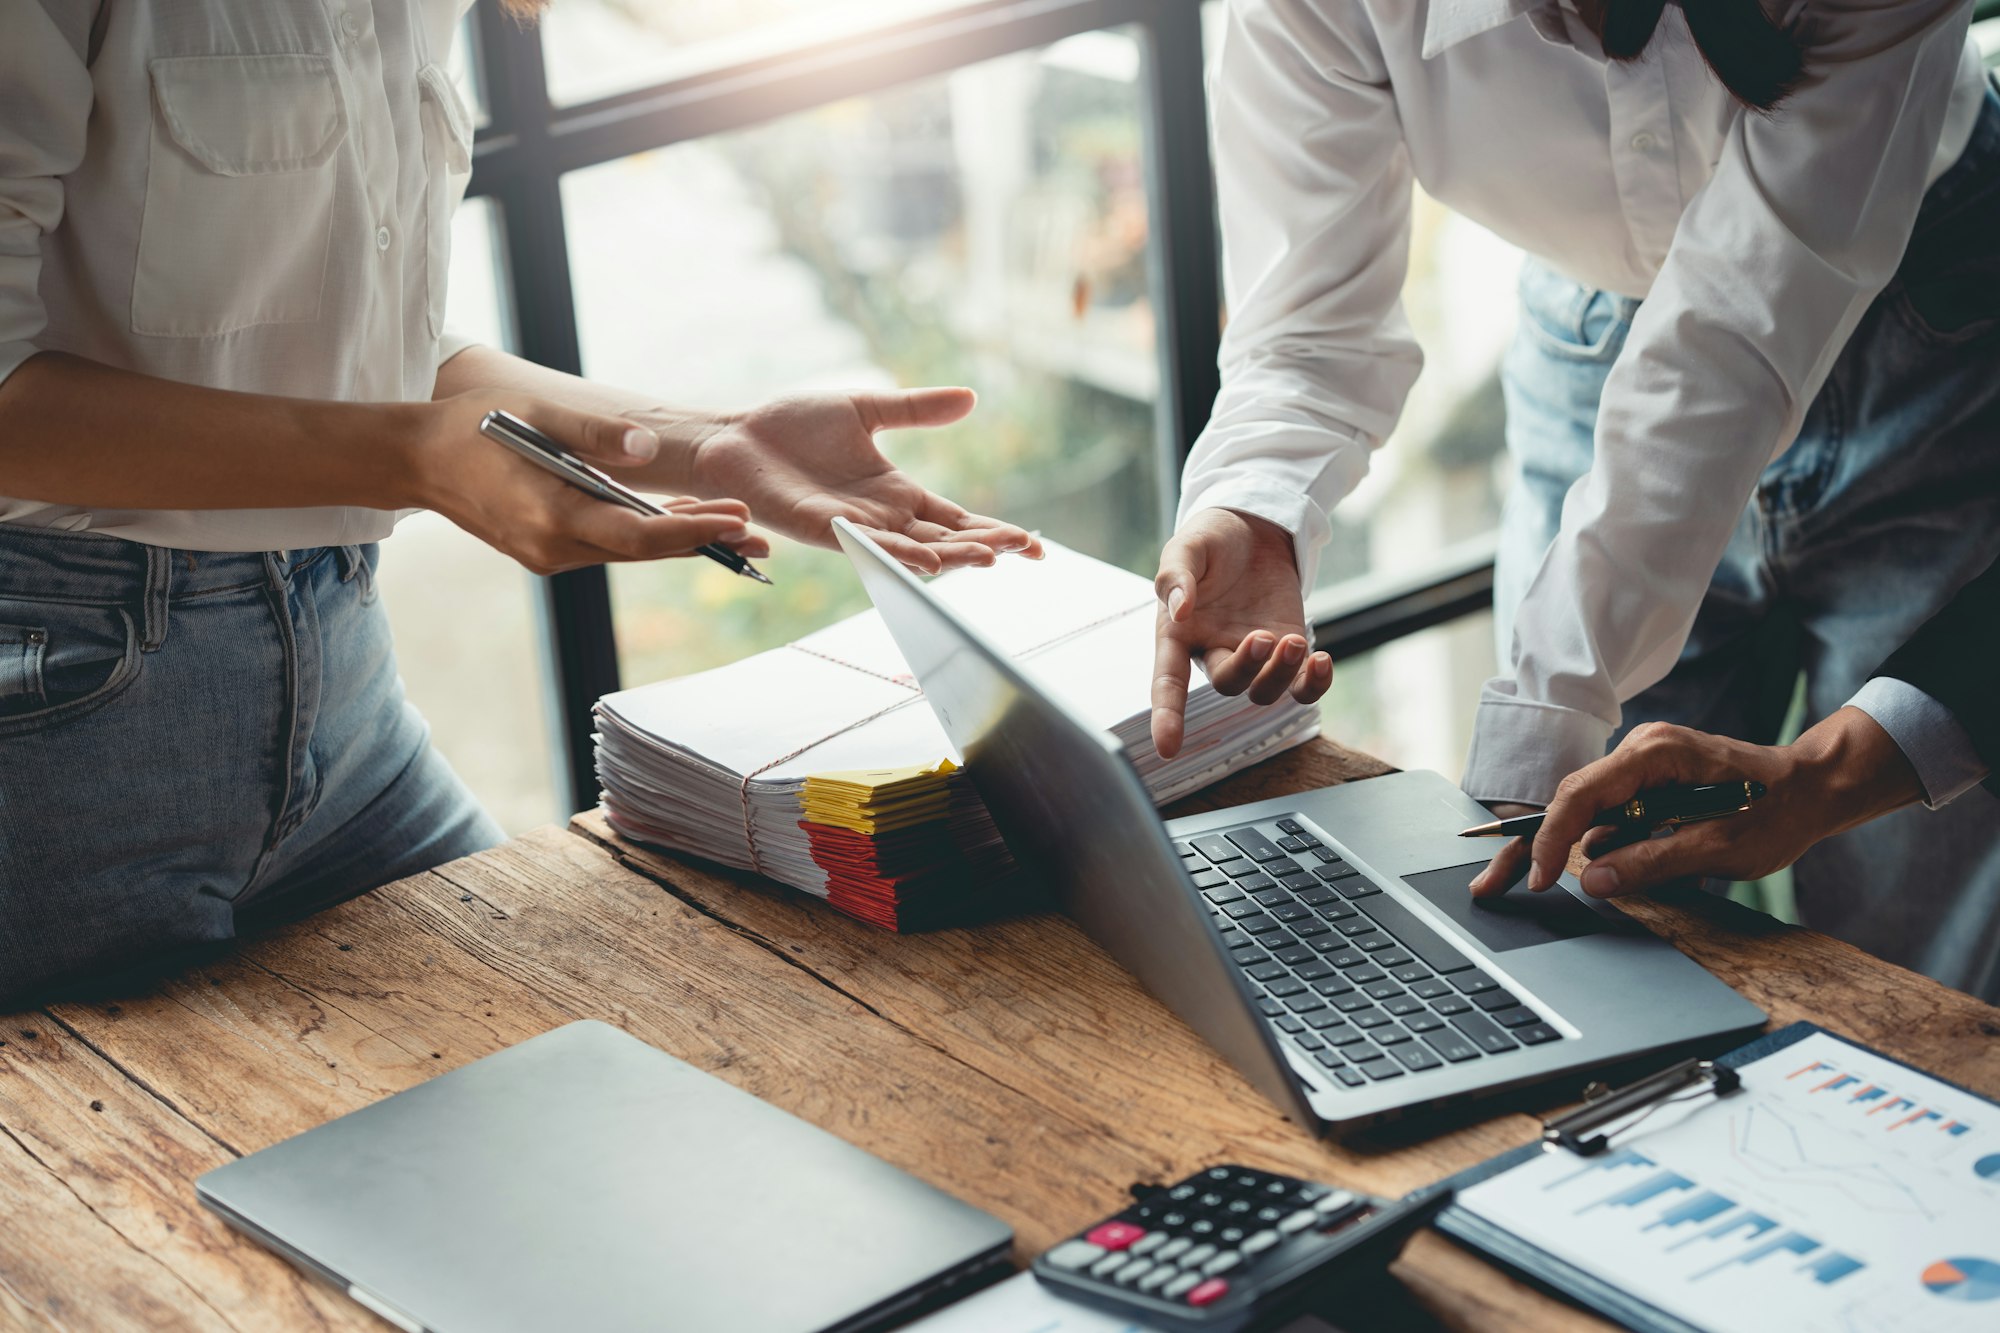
[[1746, 1225], [1682, 1215], [1873, 1098], [1700, 1208]]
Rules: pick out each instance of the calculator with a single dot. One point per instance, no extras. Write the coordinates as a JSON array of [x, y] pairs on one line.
[[1231, 1248]]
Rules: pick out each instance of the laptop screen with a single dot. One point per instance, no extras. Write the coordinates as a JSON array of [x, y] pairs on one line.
[[1076, 816]]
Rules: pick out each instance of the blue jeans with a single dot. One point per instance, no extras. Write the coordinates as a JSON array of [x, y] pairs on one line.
[[192, 744], [1887, 503]]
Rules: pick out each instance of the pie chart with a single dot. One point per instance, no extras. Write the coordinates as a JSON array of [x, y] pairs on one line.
[[1964, 1279], [1989, 1166]]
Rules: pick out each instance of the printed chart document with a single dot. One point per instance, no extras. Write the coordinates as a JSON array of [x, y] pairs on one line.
[[1837, 1191]]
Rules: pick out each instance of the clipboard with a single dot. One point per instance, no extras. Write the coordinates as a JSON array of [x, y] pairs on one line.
[[1741, 1220]]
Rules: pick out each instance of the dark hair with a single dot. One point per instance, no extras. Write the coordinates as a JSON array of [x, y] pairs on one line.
[[1756, 60]]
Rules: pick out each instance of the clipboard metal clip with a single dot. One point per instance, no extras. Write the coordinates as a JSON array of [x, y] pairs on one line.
[[1583, 1132]]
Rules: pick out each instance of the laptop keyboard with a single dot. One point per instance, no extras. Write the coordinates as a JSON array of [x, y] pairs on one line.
[[1350, 976]]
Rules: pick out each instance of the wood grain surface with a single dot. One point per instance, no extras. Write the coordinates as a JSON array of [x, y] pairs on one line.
[[1012, 1063]]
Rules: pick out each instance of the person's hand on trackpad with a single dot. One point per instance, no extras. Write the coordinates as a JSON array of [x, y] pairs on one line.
[[1510, 862], [1229, 594]]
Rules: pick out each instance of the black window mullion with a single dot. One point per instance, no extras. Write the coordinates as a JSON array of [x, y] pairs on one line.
[[1183, 257], [517, 169]]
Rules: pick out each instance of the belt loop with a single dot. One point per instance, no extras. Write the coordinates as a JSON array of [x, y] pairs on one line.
[[354, 568], [159, 583]]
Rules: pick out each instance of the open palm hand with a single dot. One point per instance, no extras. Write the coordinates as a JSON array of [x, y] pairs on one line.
[[803, 460]]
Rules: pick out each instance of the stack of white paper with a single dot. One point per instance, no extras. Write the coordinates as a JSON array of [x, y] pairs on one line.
[[819, 764]]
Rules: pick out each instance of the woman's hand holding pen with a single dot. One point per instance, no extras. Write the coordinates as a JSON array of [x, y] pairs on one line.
[[540, 520], [1844, 771], [797, 462]]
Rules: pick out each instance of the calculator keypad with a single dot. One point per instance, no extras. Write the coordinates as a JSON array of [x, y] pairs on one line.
[[1193, 1243]]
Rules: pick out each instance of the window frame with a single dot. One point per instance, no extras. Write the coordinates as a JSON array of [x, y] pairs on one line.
[[527, 145]]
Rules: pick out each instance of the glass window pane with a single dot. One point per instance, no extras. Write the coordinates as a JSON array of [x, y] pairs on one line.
[[1437, 482], [465, 617], [1441, 476], [986, 228], [463, 65], [479, 305], [598, 48], [468, 643], [1411, 702]]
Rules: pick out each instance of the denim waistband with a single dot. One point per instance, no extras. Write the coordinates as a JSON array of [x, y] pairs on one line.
[[81, 568]]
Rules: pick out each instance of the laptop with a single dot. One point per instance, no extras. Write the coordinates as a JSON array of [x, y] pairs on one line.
[[583, 1179], [1325, 943]]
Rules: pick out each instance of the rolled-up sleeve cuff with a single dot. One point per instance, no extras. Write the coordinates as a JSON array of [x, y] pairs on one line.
[[12, 354], [1928, 735], [1522, 748], [1251, 492], [451, 343]]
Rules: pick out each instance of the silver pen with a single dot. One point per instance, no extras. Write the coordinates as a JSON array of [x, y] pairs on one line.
[[546, 454]]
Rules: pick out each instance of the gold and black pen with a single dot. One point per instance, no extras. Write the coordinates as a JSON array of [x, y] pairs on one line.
[[1660, 807]]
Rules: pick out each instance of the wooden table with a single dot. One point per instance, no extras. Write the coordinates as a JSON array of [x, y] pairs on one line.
[[1013, 1064]]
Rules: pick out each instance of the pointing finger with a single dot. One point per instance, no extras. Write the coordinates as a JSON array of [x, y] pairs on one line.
[[1170, 687]]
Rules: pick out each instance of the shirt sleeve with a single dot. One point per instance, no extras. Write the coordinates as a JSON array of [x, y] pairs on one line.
[[1315, 203], [1773, 263], [1927, 734], [1950, 660], [45, 99], [452, 343]]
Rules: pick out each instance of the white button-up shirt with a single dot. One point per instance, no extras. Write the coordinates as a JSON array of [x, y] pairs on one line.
[[1756, 240], [242, 194]]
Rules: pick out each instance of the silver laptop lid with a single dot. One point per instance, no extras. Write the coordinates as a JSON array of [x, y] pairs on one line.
[[583, 1179], [1076, 815]]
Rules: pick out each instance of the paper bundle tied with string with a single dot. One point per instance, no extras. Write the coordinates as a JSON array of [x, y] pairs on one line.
[[819, 764]]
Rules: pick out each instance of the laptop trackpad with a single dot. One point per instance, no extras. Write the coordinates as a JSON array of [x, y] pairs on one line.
[[1514, 920]]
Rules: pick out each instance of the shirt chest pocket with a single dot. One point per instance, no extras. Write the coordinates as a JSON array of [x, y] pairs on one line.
[[239, 193]]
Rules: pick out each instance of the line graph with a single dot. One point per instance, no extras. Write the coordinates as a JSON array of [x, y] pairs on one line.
[[1767, 1145]]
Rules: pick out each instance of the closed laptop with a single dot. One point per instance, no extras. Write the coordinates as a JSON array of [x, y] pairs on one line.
[[583, 1179]]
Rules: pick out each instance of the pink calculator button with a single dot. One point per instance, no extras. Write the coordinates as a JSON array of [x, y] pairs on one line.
[[1208, 1292], [1114, 1235]]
